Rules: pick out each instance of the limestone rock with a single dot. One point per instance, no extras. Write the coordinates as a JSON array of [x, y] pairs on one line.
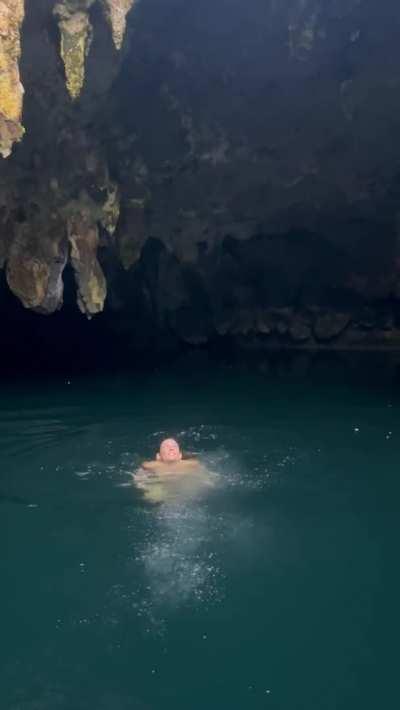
[[76, 34], [133, 233], [223, 323], [282, 327], [264, 322], [75, 37], [11, 89], [247, 181], [330, 325], [83, 237], [116, 12], [299, 330], [105, 203], [110, 209], [244, 322], [302, 31], [35, 265]]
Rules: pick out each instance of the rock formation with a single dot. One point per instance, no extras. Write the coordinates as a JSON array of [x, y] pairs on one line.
[[76, 35], [204, 172], [11, 89], [116, 12], [75, 38]]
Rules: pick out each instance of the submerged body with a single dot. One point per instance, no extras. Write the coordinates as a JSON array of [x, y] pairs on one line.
[[170, 477]]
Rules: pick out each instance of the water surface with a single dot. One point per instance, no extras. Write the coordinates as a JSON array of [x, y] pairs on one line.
[[277, 589]]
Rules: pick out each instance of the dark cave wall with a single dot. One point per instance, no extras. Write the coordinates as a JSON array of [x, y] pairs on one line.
[[232, 172]]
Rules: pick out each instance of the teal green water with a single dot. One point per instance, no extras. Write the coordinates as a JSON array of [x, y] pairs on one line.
[[277, 589]]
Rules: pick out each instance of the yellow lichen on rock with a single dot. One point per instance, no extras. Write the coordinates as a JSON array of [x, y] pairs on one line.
[[74, 43], [75, 38], [11, 89], [28, 279], [76, 34], [111, 209], [83, 237], [35, 264], [116, 12]]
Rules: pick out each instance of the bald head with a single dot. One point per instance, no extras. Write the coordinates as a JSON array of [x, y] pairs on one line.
[[169, 451]]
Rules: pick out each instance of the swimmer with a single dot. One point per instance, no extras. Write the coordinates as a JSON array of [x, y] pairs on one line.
[[170, 460], [157, 478]]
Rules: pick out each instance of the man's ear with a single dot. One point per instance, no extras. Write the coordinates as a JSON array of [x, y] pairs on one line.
[[158, 457]]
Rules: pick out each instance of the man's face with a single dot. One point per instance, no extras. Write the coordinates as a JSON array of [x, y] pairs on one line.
[[170, 451]]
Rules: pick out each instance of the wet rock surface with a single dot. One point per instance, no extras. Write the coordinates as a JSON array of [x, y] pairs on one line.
[[195, 174], [11, 89]]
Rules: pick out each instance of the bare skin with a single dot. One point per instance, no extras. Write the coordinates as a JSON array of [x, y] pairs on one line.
[[156, 478], [169, 460], [170, 468]]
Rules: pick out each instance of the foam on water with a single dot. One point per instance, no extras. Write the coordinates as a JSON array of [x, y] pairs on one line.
[[179, 558], [179, 562]]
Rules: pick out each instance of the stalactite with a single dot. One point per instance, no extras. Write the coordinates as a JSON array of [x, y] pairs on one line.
[[76, 34], [11, 89], [75, 37], [83, 236], [116, 13]]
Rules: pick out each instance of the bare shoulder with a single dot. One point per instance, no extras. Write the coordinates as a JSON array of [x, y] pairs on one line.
[[191, 462], [150, 465], [146, 470]]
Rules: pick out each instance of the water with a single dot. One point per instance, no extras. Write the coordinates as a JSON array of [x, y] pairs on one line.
[[277, 589]]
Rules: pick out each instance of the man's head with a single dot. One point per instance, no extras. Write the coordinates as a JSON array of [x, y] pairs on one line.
[[169, 451]]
